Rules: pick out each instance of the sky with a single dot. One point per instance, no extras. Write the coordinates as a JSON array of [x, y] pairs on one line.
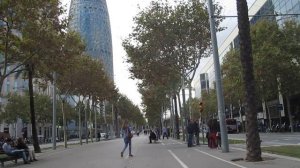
[[121, 13]]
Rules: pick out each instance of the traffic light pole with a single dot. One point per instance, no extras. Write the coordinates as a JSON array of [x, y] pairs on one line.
[[221, 107]]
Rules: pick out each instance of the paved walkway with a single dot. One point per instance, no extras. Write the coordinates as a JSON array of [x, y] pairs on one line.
[[164, 154]]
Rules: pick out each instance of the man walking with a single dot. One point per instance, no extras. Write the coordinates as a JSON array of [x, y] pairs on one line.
[[190, 131], [165, 133], [196, 131]]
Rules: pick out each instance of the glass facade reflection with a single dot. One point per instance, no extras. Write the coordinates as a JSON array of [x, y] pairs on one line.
[[280, 7], [90, 18], [259, 10], [286, 7]]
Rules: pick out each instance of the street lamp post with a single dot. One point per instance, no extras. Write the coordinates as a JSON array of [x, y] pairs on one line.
[[221, 107]]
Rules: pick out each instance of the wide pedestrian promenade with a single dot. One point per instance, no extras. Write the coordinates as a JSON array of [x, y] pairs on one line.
[[164, 154]]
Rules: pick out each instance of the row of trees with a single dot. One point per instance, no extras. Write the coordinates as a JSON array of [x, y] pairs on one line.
[[166, 46], [37, 45], [275, 68], [276, 64], [31, 38], [18, 108], [165, 49]]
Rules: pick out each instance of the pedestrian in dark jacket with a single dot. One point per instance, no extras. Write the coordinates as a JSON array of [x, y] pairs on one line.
[[190, 131], [196, 131], [152, 136]]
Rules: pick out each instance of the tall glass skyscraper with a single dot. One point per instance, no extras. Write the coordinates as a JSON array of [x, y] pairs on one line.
[[90, 18]]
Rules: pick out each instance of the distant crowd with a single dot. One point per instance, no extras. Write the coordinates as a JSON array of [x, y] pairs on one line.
[[212, 134]]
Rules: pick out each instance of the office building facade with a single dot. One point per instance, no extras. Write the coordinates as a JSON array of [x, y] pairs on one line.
[[90, 19], [260, 9]]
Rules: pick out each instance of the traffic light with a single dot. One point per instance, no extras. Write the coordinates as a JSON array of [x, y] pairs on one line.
[[201, 107]]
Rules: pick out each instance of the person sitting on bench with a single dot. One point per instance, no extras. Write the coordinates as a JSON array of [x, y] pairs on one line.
[[22, 145], [152, 136], [10, 151]]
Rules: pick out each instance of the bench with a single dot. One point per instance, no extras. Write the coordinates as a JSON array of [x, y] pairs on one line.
[[5, 158]]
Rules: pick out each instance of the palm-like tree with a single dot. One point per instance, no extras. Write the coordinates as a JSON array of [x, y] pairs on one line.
[[252, 136]]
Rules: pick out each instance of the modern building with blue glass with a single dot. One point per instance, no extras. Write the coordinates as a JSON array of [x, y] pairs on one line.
[[90, 19], [278, 10]]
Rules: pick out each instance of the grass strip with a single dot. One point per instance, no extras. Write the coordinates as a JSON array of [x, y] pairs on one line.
[[236, 141], [290, 150]]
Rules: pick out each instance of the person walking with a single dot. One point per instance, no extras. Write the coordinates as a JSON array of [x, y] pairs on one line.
[[157, 132], [190, 132], [165, 133], [196, 131], [152, 136], [127, 136]]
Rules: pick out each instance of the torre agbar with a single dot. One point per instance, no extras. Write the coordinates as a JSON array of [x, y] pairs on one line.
[[90, 19]]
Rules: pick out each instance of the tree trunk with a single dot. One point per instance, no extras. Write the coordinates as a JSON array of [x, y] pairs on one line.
[[112, 119], [162, 117], [181, 117], [269, 116], [1, 85], [117, 122], [176, 118], [35, 140], [241, 117], [95, 120], [64, 123], [80, 124], [289, 112], [90, 120], [231, 110], [190, 101], [172, 121], [186, 118], [86, 128], [252, 135]]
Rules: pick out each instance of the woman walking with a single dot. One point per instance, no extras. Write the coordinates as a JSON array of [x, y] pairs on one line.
[[127, 135]]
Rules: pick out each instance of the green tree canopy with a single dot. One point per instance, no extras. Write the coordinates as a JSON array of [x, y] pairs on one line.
[[18, 108], [167, 43]]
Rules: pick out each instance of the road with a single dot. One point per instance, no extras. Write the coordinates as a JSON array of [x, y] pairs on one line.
[[164, 154]]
